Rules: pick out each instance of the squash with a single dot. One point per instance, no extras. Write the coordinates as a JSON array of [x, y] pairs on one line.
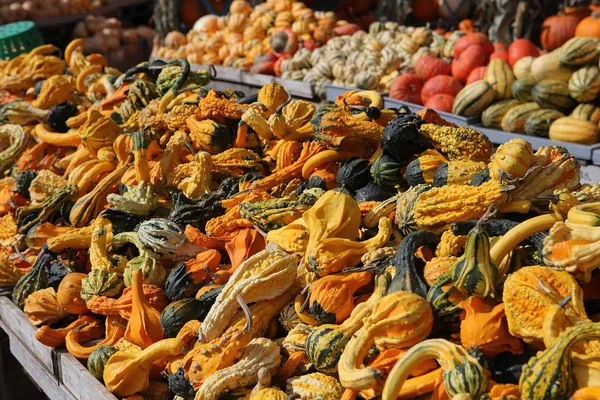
[[128, 372], [98, 359], [522, 88], [100, 282], [427, 67], [144, 326], [514, 119], [539, 122], [331, 298], [577, 52], [440, 102], [113, 332], [178, 313], [69, 293], [422, 169], [386, 172], [476, 75], [353, 174], [42, 308], [492, 116], [568, 129], [519, 49], [584, 84], [34, 280], [407, 87], [587, 112], [186, 278], [522, 68], [548, 66], [513, 158], [457, 172], [440, 84], [553, 93], [473, 99], [474, 56], [557, 30], [500, 77]]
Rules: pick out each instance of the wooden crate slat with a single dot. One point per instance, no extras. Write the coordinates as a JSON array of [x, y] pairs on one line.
[[78, 380]]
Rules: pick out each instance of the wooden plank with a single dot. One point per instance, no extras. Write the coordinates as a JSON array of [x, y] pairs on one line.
[[19, 326], [38, 373], [78, 380]]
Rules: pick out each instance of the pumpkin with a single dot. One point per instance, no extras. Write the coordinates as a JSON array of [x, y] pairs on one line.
[[69, 293], [440, 84], [427, 67], [407, 88], [469, 59], [557, 29], [589, 26], [465, 42], [521, 48], [440, 102], [476, 75], [499, 55]]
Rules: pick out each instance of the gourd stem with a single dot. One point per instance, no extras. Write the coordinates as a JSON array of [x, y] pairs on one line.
[[247, 313], [516, 235]]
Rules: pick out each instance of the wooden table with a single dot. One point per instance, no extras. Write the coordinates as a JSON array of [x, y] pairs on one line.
[[57, 373]]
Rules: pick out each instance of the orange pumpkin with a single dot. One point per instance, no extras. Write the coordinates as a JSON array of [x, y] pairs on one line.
[[466, 25], [589, 26], [69, 293], [557, 29]]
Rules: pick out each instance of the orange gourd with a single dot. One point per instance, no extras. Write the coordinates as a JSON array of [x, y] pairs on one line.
[[69, 293], [589, 26], [144, 327], [113, 331]]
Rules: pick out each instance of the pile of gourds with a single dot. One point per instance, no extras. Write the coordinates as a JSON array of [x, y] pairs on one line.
[[253, 37], [193, 244]]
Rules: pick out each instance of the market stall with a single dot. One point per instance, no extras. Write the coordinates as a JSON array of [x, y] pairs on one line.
[[282, 203]]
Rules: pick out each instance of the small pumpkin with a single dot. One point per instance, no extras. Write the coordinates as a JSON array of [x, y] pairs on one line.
[[407, 88], [427, 67], [69, 293], [557, 29], [440, 84]]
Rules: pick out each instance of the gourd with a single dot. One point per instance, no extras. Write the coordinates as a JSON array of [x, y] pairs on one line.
[[186, 278], [539, 122], [42, 308], [473, 99], [114, 331], [513, 158], [98, 359], [423, 168], [404, 217], [56, 337], [385, 172], [475, 147], [162, 239], [408, 277], [263, 276], [500, 77], [495, 338], [522, 68], [399, 320], [98, 131], [35, 279], [260, 353], [514, 120], [492, 116], [144, 327], [325, 343], [462, 373], [587, 112], [353, 174], [457, 172], [569, 129], [179, 312], [69, 293], [547, 66], [542, 288], [100, 282], [577, 51], [550, 373], [584, 84], [127, 372], [553, 93], [315, 385], [331, 298], [521, 89], [401, 137]]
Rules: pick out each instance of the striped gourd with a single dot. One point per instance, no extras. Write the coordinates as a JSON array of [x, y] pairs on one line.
[[538, 123], [500, 77], [514, 119], [587, 112], [521, 89], [578, 51], [568, 129], [548, 66], [492, 116], [584, 84], [473, 99], [522, 68], [553, 93]]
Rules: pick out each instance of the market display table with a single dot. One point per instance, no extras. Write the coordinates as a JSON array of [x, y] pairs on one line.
[[57, 373]]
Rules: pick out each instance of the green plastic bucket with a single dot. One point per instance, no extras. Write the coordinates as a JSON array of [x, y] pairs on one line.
[[18, 38]]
